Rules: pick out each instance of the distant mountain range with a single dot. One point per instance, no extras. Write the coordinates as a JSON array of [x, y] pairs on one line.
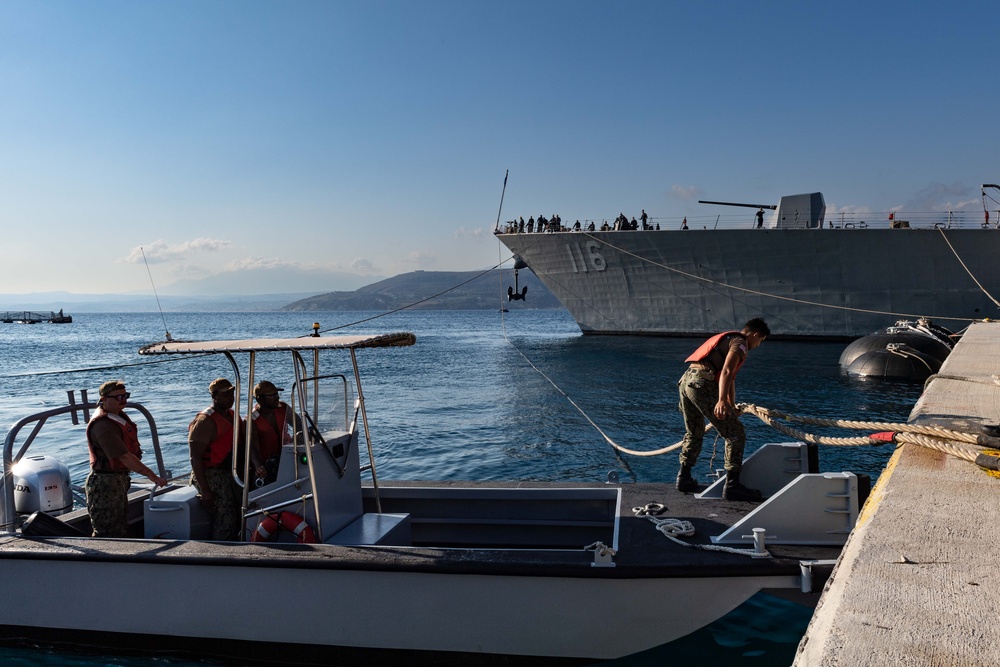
[[436, 290], [427, 290]]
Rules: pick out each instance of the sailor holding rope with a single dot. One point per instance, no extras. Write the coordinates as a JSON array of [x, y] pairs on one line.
[[708, 391]]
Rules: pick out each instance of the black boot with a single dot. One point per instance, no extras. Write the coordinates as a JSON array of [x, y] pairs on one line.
[[733, 490], [991, 430], [685, 482]]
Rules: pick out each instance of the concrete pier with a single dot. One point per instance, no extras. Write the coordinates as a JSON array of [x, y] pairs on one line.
[[917, 582]]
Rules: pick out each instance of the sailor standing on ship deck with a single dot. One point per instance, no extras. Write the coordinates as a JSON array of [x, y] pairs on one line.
[[114, 451], [210, 441], [708, 391], [273, 420]]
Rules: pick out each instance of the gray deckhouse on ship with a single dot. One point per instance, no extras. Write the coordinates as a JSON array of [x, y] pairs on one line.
[[808, 279]]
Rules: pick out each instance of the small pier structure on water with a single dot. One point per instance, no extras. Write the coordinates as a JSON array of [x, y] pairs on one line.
[[916, 583], [30, 317]]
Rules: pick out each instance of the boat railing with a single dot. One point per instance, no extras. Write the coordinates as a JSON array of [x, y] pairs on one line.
[[297, 483], [38, 420], [301, 402], [969, 219]]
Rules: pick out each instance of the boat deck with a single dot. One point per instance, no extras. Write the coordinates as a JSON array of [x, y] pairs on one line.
[[642, 550]]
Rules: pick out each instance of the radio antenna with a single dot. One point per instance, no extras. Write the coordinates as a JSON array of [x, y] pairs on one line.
[[502, 193], [155, 294]]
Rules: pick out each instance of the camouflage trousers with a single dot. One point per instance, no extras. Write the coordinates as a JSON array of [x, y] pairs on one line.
[[227, 510], [698, 396], [107, 502]]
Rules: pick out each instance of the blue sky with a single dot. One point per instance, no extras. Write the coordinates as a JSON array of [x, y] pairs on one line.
[[373, 137]]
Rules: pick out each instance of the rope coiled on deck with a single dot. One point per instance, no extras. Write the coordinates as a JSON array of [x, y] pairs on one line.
[[671, 528]]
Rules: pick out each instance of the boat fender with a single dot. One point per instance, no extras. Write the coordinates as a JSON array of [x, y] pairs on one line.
[[267, 530]]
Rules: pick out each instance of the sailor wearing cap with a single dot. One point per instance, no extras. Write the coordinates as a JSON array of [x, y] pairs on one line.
[[272, 419], [113, 441], [210, 440]]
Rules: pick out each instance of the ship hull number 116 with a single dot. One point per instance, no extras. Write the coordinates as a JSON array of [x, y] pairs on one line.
[[586, 257]]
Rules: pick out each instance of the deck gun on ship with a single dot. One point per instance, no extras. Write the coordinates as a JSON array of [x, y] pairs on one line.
[[805, 211]]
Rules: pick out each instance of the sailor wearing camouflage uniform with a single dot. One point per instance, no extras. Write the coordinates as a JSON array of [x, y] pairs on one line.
[[708, 391], [210, 440], [114, 451]]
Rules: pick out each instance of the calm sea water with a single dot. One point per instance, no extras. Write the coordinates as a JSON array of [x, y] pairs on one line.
[[463, 403]]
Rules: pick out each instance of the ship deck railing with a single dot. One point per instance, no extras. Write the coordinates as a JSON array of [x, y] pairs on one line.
[[843, 221]]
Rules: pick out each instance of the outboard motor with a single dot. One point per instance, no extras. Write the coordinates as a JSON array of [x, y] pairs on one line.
[[41, 483]]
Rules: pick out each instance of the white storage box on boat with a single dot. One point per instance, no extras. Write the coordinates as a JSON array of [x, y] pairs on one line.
[[176, 515]]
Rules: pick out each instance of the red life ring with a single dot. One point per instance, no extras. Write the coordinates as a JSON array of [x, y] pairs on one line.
[[267, 530]]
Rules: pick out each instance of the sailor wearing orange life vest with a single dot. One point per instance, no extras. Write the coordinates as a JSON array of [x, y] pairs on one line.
[[708, 391], [210, 441], [113, 441], [272, 419]]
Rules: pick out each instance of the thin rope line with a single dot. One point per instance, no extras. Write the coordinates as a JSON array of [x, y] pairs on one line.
[[582, 300], [104, 368], [774, 296], [607, 438], [415, 303], [978, 284]]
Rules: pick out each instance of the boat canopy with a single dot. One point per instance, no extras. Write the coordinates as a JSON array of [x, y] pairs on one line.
[[398, 339]]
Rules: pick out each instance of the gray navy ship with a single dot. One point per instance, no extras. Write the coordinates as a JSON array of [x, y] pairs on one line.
[[807, 278]]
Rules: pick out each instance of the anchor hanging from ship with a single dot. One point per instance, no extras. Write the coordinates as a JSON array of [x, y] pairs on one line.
[[513, 293]]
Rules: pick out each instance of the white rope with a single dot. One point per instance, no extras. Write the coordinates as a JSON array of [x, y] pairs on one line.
[[601, 549], [941, 439], [607, 438], [769, 415], [672, 528]]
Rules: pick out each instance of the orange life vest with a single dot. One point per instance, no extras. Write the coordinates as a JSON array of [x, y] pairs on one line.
[[269, 441], [130, 436], [222, 446], [709, 345]]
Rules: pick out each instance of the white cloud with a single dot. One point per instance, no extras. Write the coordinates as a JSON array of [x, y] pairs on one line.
[[270, 263], [462, 233], [421, 260], [363, 266], [684, 192], [852, 209], [161, 251], [943, 197], [249, 263], [185, 270]]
